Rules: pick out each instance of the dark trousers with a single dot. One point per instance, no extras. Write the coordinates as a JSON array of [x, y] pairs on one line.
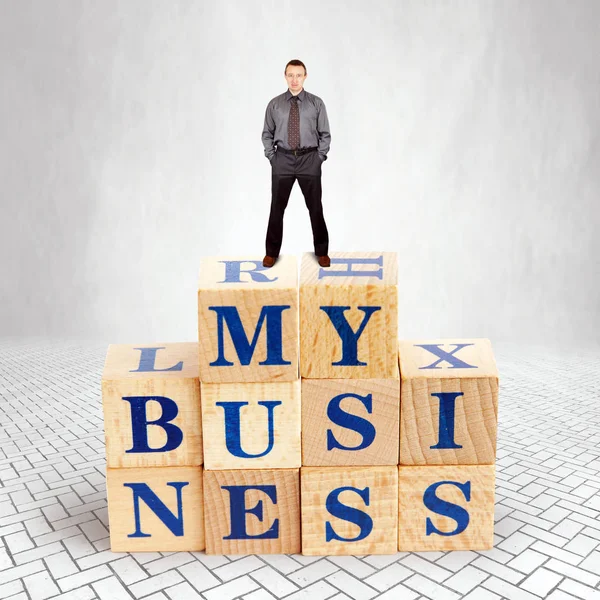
[[285, 169]]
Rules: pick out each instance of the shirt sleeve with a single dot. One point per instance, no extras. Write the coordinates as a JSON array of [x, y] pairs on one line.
[[323, 132], [268, 132]]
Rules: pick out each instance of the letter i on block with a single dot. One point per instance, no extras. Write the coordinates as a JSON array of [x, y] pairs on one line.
[[348, 316], [252, 512], [449, 402], [159, 509], [446, 508], [151, 402], [248, 320], [349, 511]]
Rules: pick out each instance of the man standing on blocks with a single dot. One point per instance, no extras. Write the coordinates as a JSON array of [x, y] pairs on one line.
[[296, 139]]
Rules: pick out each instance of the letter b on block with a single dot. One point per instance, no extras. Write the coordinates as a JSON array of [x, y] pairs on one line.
[[348, 316], [247, 320], [151, 402]]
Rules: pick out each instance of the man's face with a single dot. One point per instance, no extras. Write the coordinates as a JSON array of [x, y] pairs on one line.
[[295, 78]]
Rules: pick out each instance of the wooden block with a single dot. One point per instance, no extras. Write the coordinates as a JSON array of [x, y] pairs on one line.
[[158, 509], [151, 402], [248, 320], [449, 402], [350, 422], [252, 512], [349, 511], [251, 425], [427, 522], [348, 316]]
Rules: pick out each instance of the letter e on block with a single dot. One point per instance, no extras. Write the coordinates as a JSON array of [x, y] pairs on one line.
[[155, 510], [248, 320], [348, 316], [349, 511], [448, 403], [252, 512], [446, 508], [151, 403]]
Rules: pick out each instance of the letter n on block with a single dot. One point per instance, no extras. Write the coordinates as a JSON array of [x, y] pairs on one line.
[[449, 402], [252, 512], [151, 402], [348, 316], [350, 422], [248, 320], [349, 511], [251, 425], [155, 510], [446, 508]]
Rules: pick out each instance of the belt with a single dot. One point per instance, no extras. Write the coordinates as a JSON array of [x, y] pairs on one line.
[[297, 152]]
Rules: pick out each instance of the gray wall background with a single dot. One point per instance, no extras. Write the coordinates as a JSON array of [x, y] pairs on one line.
[[465, 137]]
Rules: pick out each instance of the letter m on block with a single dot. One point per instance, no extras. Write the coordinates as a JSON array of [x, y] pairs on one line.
[[270, 317]]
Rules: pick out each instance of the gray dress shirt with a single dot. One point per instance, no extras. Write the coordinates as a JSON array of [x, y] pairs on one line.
[[314, 124]]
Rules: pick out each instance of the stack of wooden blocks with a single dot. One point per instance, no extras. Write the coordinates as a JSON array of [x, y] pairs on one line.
[[299, 422]]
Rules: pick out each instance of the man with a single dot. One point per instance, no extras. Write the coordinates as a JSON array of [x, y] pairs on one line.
[[296, 139]]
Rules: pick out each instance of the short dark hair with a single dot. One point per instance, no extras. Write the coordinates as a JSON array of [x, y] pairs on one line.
[[295, 63]]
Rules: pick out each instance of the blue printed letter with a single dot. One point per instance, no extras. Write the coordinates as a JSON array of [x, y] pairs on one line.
[[238, 512], [148, 359], [446, 420], [157, 506], [349, 421], [347, 272], [348, 337], [245, 349], [233, 271], [447, 509], [348, 513], [233, 427], [139, 423], [442, 355]]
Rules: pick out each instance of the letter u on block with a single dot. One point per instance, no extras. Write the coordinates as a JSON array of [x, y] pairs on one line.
[[251, 425]]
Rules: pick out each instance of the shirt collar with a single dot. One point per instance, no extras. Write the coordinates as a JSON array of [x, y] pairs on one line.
[[300, 96]]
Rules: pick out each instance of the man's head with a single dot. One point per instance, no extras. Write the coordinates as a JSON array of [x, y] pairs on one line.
[[295, 74]]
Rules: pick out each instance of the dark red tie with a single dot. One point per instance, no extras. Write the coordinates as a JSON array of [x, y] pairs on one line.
[[294, 125]]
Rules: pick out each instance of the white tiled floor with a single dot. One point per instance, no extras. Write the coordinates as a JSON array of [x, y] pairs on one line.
[[53, 519]]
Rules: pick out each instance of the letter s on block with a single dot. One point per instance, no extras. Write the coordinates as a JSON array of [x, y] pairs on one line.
[[348, 513], [447, 509], [340, 417]]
